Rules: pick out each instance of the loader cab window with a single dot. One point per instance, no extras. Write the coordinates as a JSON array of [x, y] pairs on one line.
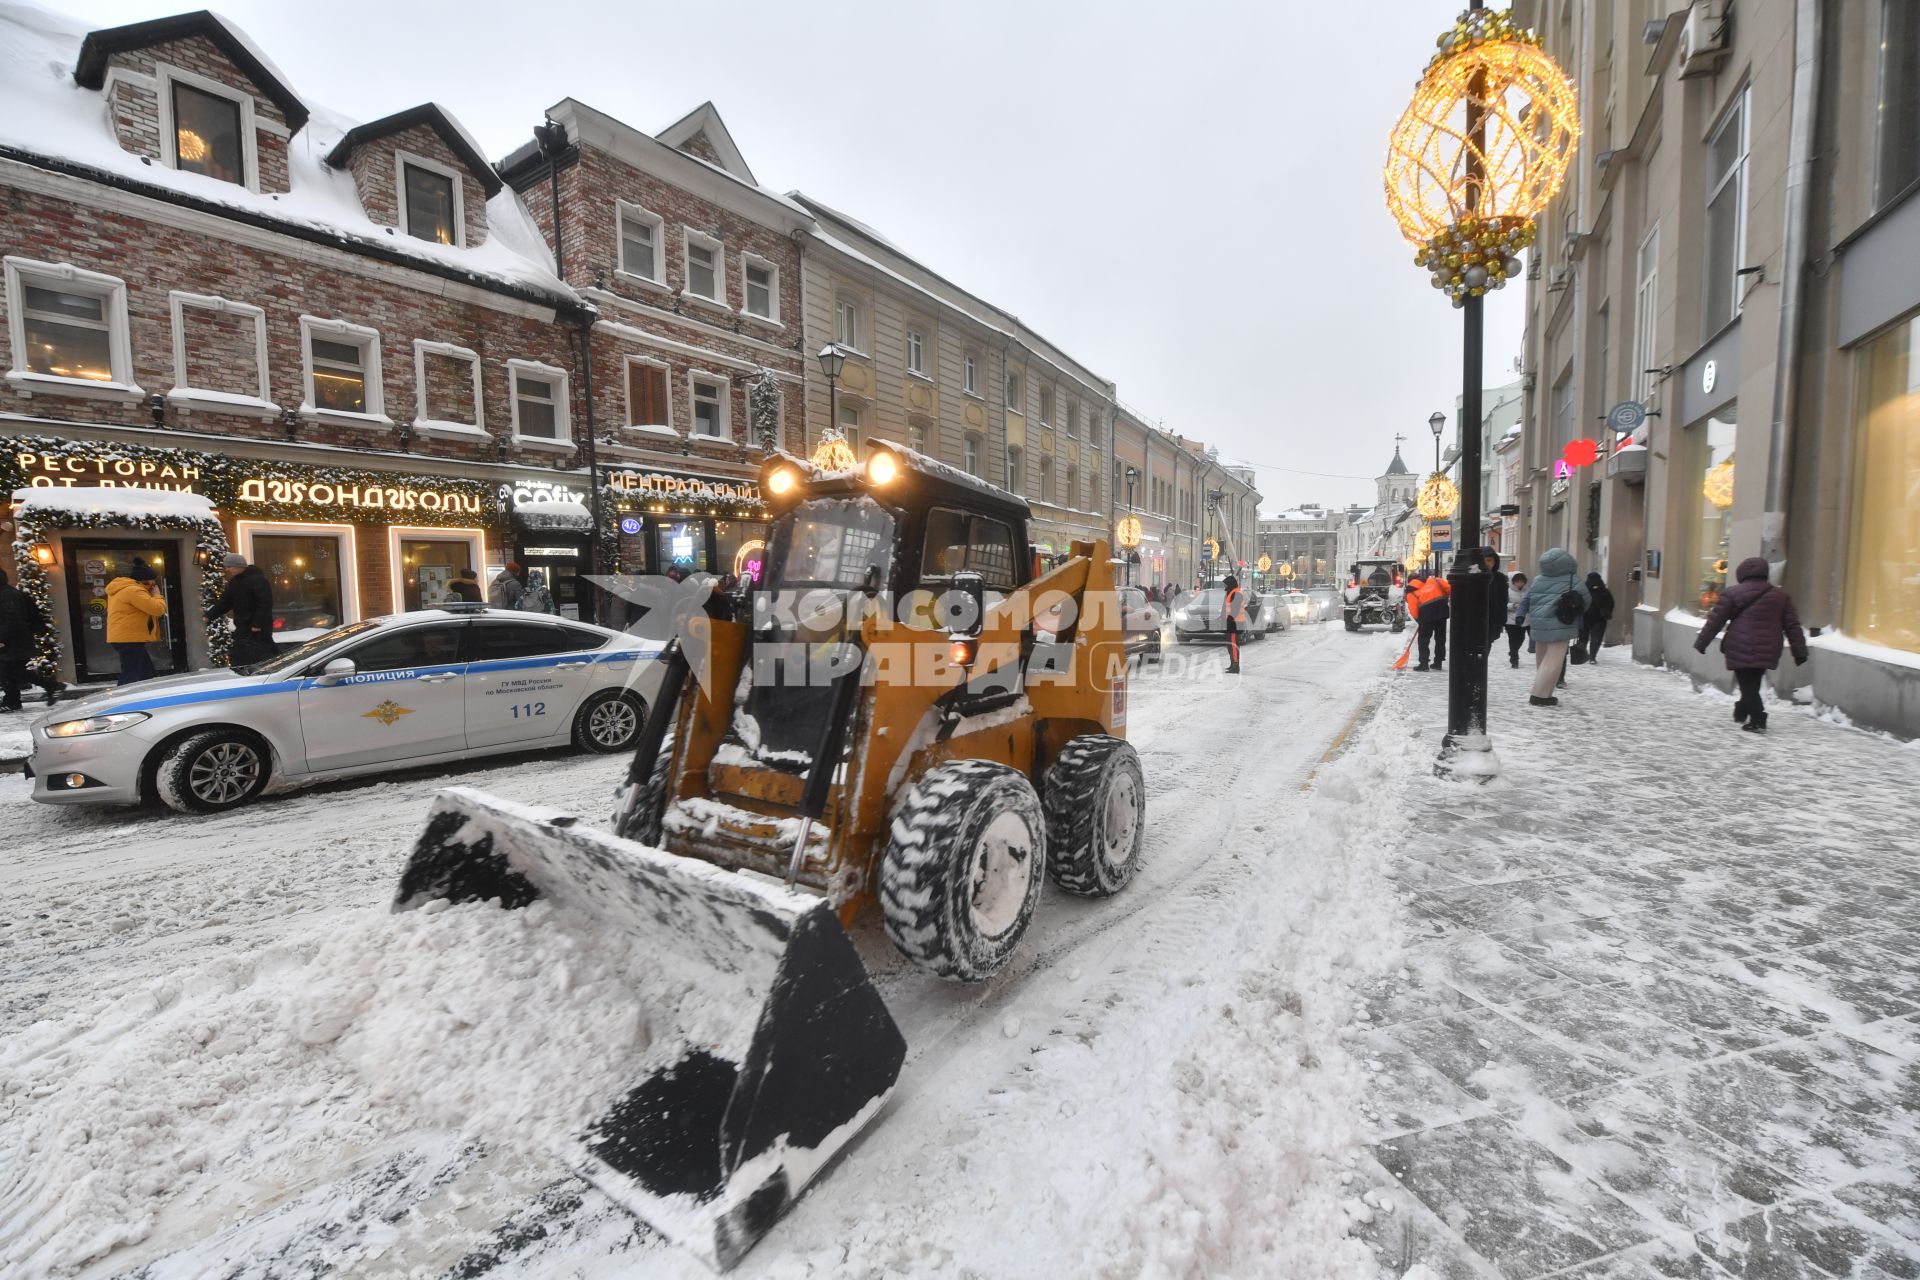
[[957, 541], [832, 542]]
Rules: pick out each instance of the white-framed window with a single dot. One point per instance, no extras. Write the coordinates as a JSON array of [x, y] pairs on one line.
[[850, 424], [706, 264], [712, 397], [760, 287], [426, 558], [846, 324], [1646, 304], [970, 373], [341, 372], [538, 396], [432, 207], [1046, 406], [970, 454], [314, 569], [1071, 495], [1726, 215], [68, 330], [1046, 478], [916, 351], [233, 379], [1073, 417], [207, 127], [1015, 404], [446, 390], [1016, 474], [649, 395], [640, 234]]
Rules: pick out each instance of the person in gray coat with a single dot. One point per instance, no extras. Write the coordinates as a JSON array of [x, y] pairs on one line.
[[1559, 576]]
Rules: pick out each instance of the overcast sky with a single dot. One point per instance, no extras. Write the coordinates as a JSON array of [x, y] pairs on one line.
[[1186, 197]]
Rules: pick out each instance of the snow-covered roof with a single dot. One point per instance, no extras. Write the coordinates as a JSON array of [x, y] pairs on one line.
[[90, 68], [133, 502], [705, 120], [46, 112]]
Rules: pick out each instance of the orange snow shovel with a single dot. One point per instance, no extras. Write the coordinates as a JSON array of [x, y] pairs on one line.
[[1400, 662]]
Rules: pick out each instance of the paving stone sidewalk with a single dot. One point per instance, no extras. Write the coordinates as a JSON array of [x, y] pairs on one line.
[[1660, 1012]]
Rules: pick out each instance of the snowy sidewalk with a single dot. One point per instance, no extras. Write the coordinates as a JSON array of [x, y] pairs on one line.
[[1658, 1012]]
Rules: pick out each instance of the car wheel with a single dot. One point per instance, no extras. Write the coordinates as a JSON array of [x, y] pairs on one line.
[[609, 721], [213, 771]]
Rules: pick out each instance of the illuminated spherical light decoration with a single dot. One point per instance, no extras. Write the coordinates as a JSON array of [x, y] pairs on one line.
[[1438, 499], [833, 453], [191, 146], [1469, 234], [1127, 532], [1717, 488], [1422, 547]]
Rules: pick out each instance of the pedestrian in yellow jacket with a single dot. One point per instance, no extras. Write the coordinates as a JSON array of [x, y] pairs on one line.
[[134, 609]]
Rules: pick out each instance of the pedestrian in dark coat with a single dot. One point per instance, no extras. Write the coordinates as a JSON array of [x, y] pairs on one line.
[[506, 589], [249, 598], [21, 624], [1499, 599], [1593, 625], [465, 587], [1760, 620]]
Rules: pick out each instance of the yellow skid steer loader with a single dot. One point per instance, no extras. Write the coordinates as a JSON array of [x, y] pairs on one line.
[[914, 716]]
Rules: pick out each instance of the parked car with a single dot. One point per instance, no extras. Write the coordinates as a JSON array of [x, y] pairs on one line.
[[1143, 623], [409, 689], [1202, 615]]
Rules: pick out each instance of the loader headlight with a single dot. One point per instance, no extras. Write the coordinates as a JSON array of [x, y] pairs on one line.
[[96, 724], [782, 481], [882, 467]]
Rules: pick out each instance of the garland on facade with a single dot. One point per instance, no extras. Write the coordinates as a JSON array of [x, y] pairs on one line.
[[33, 523], [257, 489], [763, 408]]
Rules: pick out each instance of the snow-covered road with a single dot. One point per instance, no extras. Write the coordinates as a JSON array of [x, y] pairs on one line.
[[1156, 1086]]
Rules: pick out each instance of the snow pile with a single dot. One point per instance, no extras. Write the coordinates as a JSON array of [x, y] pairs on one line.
[[215, 1094], [116, 501], [1240, 1172]]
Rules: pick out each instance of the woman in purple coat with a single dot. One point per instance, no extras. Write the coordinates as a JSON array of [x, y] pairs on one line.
[[1759, 618]]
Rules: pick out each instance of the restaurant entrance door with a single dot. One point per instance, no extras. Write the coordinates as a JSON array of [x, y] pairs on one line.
[[90, 565]]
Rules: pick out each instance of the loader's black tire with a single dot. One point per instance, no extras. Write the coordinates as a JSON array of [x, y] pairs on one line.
[[966, 850], [608, 721], [1353, 623], [212, 772], [650, 805], [1399, 622], [1096, 803]]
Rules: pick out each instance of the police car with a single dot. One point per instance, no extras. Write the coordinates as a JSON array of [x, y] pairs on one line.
[[405, 690]]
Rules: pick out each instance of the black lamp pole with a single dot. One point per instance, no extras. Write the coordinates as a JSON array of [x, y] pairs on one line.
[[1467, 681], [1132, 475], [1436, 424], [832, 359]]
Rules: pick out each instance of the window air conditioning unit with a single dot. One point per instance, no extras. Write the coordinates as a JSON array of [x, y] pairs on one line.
[[1703, 40], [1557, 278]]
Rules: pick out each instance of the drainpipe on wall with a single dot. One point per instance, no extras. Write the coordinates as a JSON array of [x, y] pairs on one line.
[[1807, 36]]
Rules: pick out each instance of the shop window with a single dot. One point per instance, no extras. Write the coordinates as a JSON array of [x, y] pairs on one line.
[[539, 396], [310, 576], [1726, 216], [431, 205], [1898, 113], [706, 276], [1710, 500], [762, 293], [446, 382], [219, 347], [682, 543], [342, 369], [1882, 603], [711, 416], [425, 566], [647, 400], [67, 326], [207, 127]]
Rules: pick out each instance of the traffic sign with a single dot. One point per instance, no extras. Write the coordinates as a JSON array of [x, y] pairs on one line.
[[1442, 535]]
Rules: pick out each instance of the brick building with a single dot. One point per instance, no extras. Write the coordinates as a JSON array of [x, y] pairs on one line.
[[347, 337]]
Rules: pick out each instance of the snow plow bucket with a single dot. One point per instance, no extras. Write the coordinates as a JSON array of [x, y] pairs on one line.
[[781, 1050]]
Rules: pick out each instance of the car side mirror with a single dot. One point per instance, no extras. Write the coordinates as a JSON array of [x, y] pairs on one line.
[[336, 671]]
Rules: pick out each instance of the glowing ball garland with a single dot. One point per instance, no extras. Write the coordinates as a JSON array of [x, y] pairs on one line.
[[1439, 498], [1468, 227]]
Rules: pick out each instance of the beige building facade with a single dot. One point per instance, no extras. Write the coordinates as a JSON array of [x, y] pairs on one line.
[[1737, 251]]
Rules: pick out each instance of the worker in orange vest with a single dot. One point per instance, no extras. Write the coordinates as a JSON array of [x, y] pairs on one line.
[[1427, 595], [1235, 607]]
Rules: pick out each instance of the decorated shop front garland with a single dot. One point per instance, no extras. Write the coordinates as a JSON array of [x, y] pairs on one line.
[[35, 521], [246, 488]]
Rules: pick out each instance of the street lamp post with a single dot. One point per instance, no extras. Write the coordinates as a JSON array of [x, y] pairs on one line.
[[1483, 147], [832, 360], [1436, 424], [1132, 475]]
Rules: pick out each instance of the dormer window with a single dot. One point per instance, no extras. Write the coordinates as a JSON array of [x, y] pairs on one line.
[[208, 128], [429, 200]]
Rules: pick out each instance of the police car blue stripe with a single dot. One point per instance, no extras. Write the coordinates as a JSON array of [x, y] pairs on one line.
[[199, 695]]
